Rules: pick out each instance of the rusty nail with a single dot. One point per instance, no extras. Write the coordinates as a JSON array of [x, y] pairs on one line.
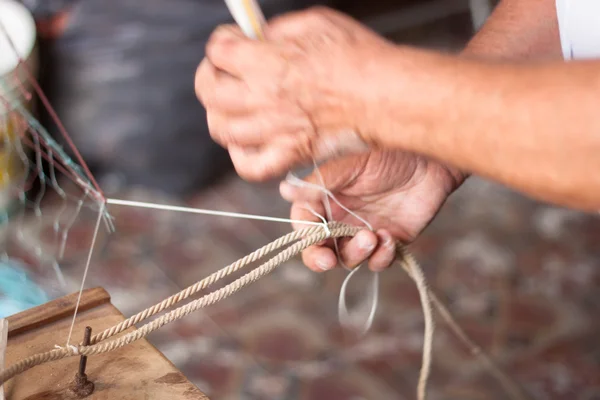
[[83, 387]]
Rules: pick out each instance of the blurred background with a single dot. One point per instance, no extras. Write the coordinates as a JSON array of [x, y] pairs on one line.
[[522, 278]]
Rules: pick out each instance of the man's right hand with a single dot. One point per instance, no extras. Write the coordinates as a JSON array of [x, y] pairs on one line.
[[398, 193]]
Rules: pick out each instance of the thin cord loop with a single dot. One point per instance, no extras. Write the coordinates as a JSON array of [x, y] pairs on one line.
[[343, 314]]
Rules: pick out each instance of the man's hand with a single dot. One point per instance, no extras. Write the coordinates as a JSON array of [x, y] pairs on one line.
[[396, 192], [277, 103]]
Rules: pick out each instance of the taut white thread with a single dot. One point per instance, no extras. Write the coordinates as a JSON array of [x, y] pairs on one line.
[[87, 267], [166, 207]]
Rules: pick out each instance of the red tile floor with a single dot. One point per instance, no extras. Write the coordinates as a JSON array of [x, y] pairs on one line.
[[522, 278]]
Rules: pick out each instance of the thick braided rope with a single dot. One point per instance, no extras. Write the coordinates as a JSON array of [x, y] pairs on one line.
[[206, 282], [57, 354], [312, 236]]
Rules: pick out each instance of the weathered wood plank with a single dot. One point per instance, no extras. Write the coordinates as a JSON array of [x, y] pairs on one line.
[[136, 371]]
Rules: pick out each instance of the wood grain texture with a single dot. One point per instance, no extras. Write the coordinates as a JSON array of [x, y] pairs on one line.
[[137, 371], [3, 343], [55, 310]]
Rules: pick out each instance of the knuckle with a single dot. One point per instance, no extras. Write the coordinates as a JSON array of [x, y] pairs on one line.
[[262, 172], [248, 173], [217, 129], [219, 42], [248, 169], [226, 136], [200, 78], [304, 146], [213, 126], [320, 13], [235, 131]]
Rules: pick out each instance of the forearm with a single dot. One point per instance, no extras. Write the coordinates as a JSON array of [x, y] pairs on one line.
[[518, 29], [532, 127]]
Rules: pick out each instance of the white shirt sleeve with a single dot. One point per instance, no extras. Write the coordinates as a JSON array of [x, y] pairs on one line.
[[579, 26]]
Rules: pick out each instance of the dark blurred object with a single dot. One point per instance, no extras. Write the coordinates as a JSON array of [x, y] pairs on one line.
[[120, 75]]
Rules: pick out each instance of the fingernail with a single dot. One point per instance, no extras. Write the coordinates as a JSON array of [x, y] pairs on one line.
[[324, 264], [365, 242]]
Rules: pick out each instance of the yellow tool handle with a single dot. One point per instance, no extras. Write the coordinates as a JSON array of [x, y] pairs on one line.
[[248, 15]]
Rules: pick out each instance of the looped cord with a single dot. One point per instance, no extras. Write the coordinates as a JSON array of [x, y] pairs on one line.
[[343, 315]]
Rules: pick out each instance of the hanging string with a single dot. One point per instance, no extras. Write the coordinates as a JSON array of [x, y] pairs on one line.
[[87, 267]]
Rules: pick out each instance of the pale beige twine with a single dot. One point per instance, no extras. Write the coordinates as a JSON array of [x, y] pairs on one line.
[[303, 239]]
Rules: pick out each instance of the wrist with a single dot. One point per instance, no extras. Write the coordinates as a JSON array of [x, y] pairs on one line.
[[403, 99]]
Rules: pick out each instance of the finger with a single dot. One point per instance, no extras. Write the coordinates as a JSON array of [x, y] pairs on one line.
[[333, 175], [296, 192], [312, 212], [385, 253], [230, 50], [217, 90], [239, 131], [305, 211], [264, 163], [257, 129], [319, 258], [299, 23], [359, 248]]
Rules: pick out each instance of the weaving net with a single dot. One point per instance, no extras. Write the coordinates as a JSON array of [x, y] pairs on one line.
[[36, 170]]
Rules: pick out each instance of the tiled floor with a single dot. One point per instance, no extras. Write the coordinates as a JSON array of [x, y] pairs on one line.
[[522, 278]]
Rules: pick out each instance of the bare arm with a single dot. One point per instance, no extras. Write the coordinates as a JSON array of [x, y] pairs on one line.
[[528, 125], [519, 29], [534, 127]]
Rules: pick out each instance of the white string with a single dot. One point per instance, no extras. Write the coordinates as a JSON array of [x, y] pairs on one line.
[[342, 307], [74, 349], [343, 314], [322, 218], [165, 207], [294, 180], [87, 267]]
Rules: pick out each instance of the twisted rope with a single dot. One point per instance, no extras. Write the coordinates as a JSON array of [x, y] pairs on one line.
[[204, 283], [314, 236], [303, 238]]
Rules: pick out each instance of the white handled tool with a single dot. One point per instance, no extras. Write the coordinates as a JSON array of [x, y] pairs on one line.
[[248, 15]]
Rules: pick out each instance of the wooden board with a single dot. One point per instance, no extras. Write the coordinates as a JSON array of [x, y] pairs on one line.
[[136, 371]]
